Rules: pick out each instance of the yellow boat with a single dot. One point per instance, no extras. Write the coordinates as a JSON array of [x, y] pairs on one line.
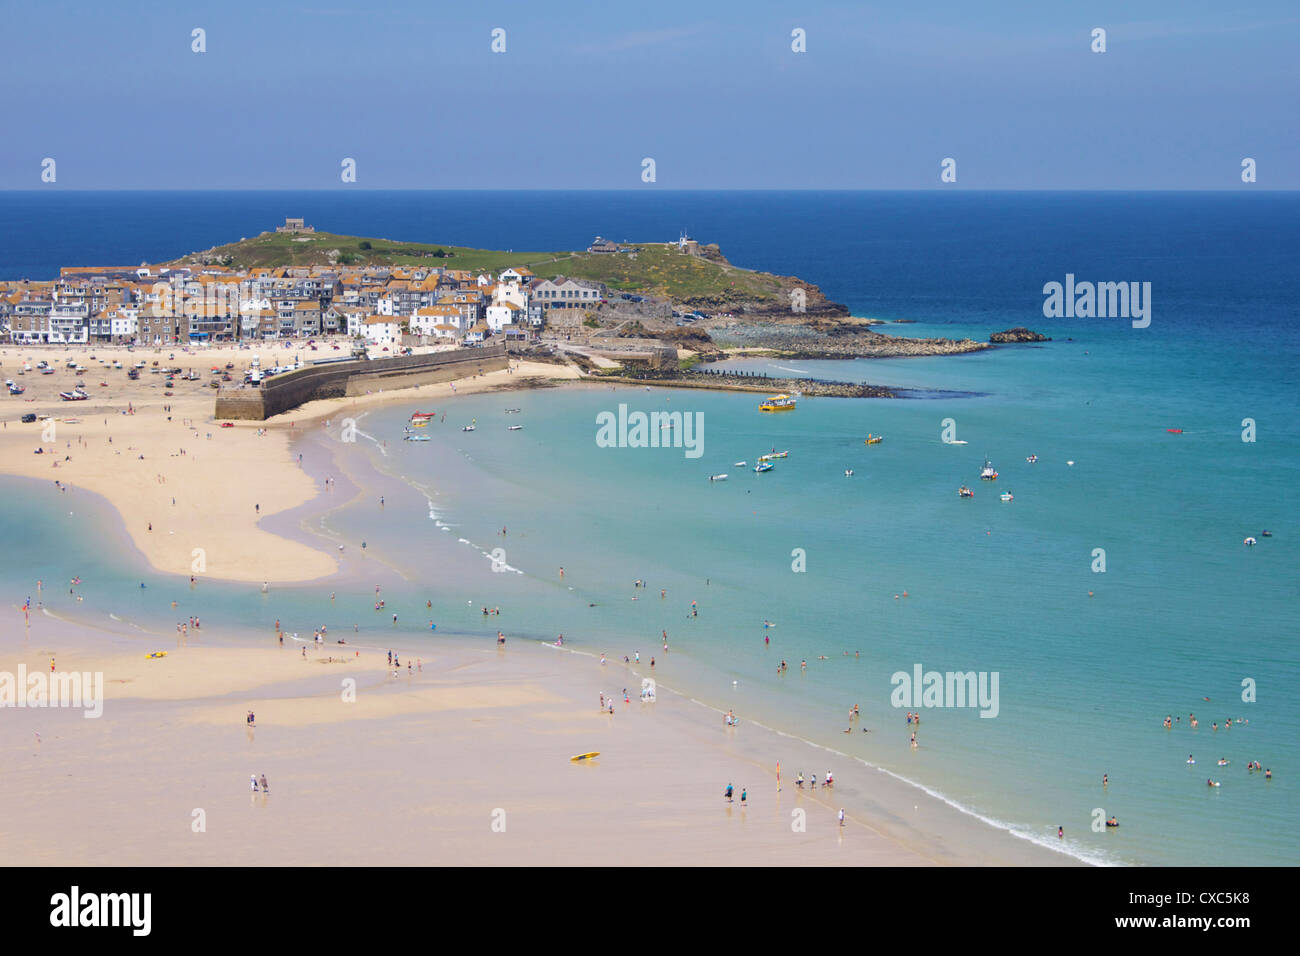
[[777, 403], [594, 753], [873, 439]]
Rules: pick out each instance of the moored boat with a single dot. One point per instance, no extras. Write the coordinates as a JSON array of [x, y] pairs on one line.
[[964, 492], [1007, 496], [988, 472], [873, 439], [717, 477], [763, 466]]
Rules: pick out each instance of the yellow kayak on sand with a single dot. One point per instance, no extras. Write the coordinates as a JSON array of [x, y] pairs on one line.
[[155, 655], [594, 753]]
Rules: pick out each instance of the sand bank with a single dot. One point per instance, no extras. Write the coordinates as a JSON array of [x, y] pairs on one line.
[[191, 493]]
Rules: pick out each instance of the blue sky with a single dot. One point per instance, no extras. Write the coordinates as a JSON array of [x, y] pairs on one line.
[[711, 91]]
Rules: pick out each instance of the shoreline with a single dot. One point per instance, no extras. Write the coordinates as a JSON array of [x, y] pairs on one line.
[[657, 786]]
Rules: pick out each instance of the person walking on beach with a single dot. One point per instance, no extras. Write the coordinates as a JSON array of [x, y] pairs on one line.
[[727, 793], [744, 795], [252, 780], [841, 816], [266, 787]]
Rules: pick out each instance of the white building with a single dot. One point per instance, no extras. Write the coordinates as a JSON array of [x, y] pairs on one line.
[[382, 330]]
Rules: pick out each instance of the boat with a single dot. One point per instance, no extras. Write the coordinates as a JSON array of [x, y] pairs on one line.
[[47, 370], [468, 428], [1032, 459], [76, 395], [741, 464], [417, 416], [763, 466], [513, 428], [1007, 496], [1174, 431], [777, 403], [420, 422], [988, 472], [873, 439], [512, 411], [134, 374], [587, 756], [717, 477], [416, 438], [955, 442], [964, 492], [773, 455], [156, 655], [14, 388], [1250, 542], [1266, 534]]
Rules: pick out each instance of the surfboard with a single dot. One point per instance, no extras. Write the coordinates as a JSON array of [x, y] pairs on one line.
[[594, 753]]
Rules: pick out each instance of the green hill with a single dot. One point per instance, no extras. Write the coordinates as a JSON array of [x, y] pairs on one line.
[[655, 268]]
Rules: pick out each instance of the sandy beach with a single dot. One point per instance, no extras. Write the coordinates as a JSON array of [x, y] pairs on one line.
[[464, 760], [190, 492]]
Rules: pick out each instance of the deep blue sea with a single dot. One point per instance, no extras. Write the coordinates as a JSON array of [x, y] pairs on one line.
[[1182, 612]]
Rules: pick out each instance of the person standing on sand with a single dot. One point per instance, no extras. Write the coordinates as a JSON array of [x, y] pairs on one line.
[[252, 780], [266, 787], [841, 816], [727, 793], [744, 795]]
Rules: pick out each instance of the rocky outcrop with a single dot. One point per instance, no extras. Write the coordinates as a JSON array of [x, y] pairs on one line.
[[1018, 334]]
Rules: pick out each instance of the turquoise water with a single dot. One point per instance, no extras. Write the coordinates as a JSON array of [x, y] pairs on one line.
[[1182, 612]]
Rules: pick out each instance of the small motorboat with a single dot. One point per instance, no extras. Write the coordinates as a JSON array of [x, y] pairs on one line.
[[741, 464], [1250, 542], [988, 472], [848, 472], [512, 411], [415, 416], [762, 466], [76, 395], [873, 439], [468, 428], [1070, 463], [416, 438], [1007, 496], [1266, 534], [1032, 459], [513, 428], [717, 477], [14, 388], [1174, 431], [964, 492]]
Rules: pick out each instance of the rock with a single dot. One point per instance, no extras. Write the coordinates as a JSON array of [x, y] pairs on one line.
[[1018, 334]]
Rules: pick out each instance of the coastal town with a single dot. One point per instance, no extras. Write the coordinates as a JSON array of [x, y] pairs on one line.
[[387, 307]]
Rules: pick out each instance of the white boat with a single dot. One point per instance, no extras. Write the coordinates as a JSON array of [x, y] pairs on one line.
[[468, 428], [717, 477], [848, 472], [1032, 459], [513, 428], [763, 466], [988, 472], [741, 464], [416, 438], [954, 442], [1007, 496]]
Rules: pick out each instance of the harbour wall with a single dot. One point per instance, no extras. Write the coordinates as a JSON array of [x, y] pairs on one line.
[[347, 379]]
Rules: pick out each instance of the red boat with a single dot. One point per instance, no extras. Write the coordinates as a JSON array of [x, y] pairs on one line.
[[424, 415], [1174, 431]]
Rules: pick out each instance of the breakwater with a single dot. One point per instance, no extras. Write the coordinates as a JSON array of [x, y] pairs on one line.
[[346, 379]]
